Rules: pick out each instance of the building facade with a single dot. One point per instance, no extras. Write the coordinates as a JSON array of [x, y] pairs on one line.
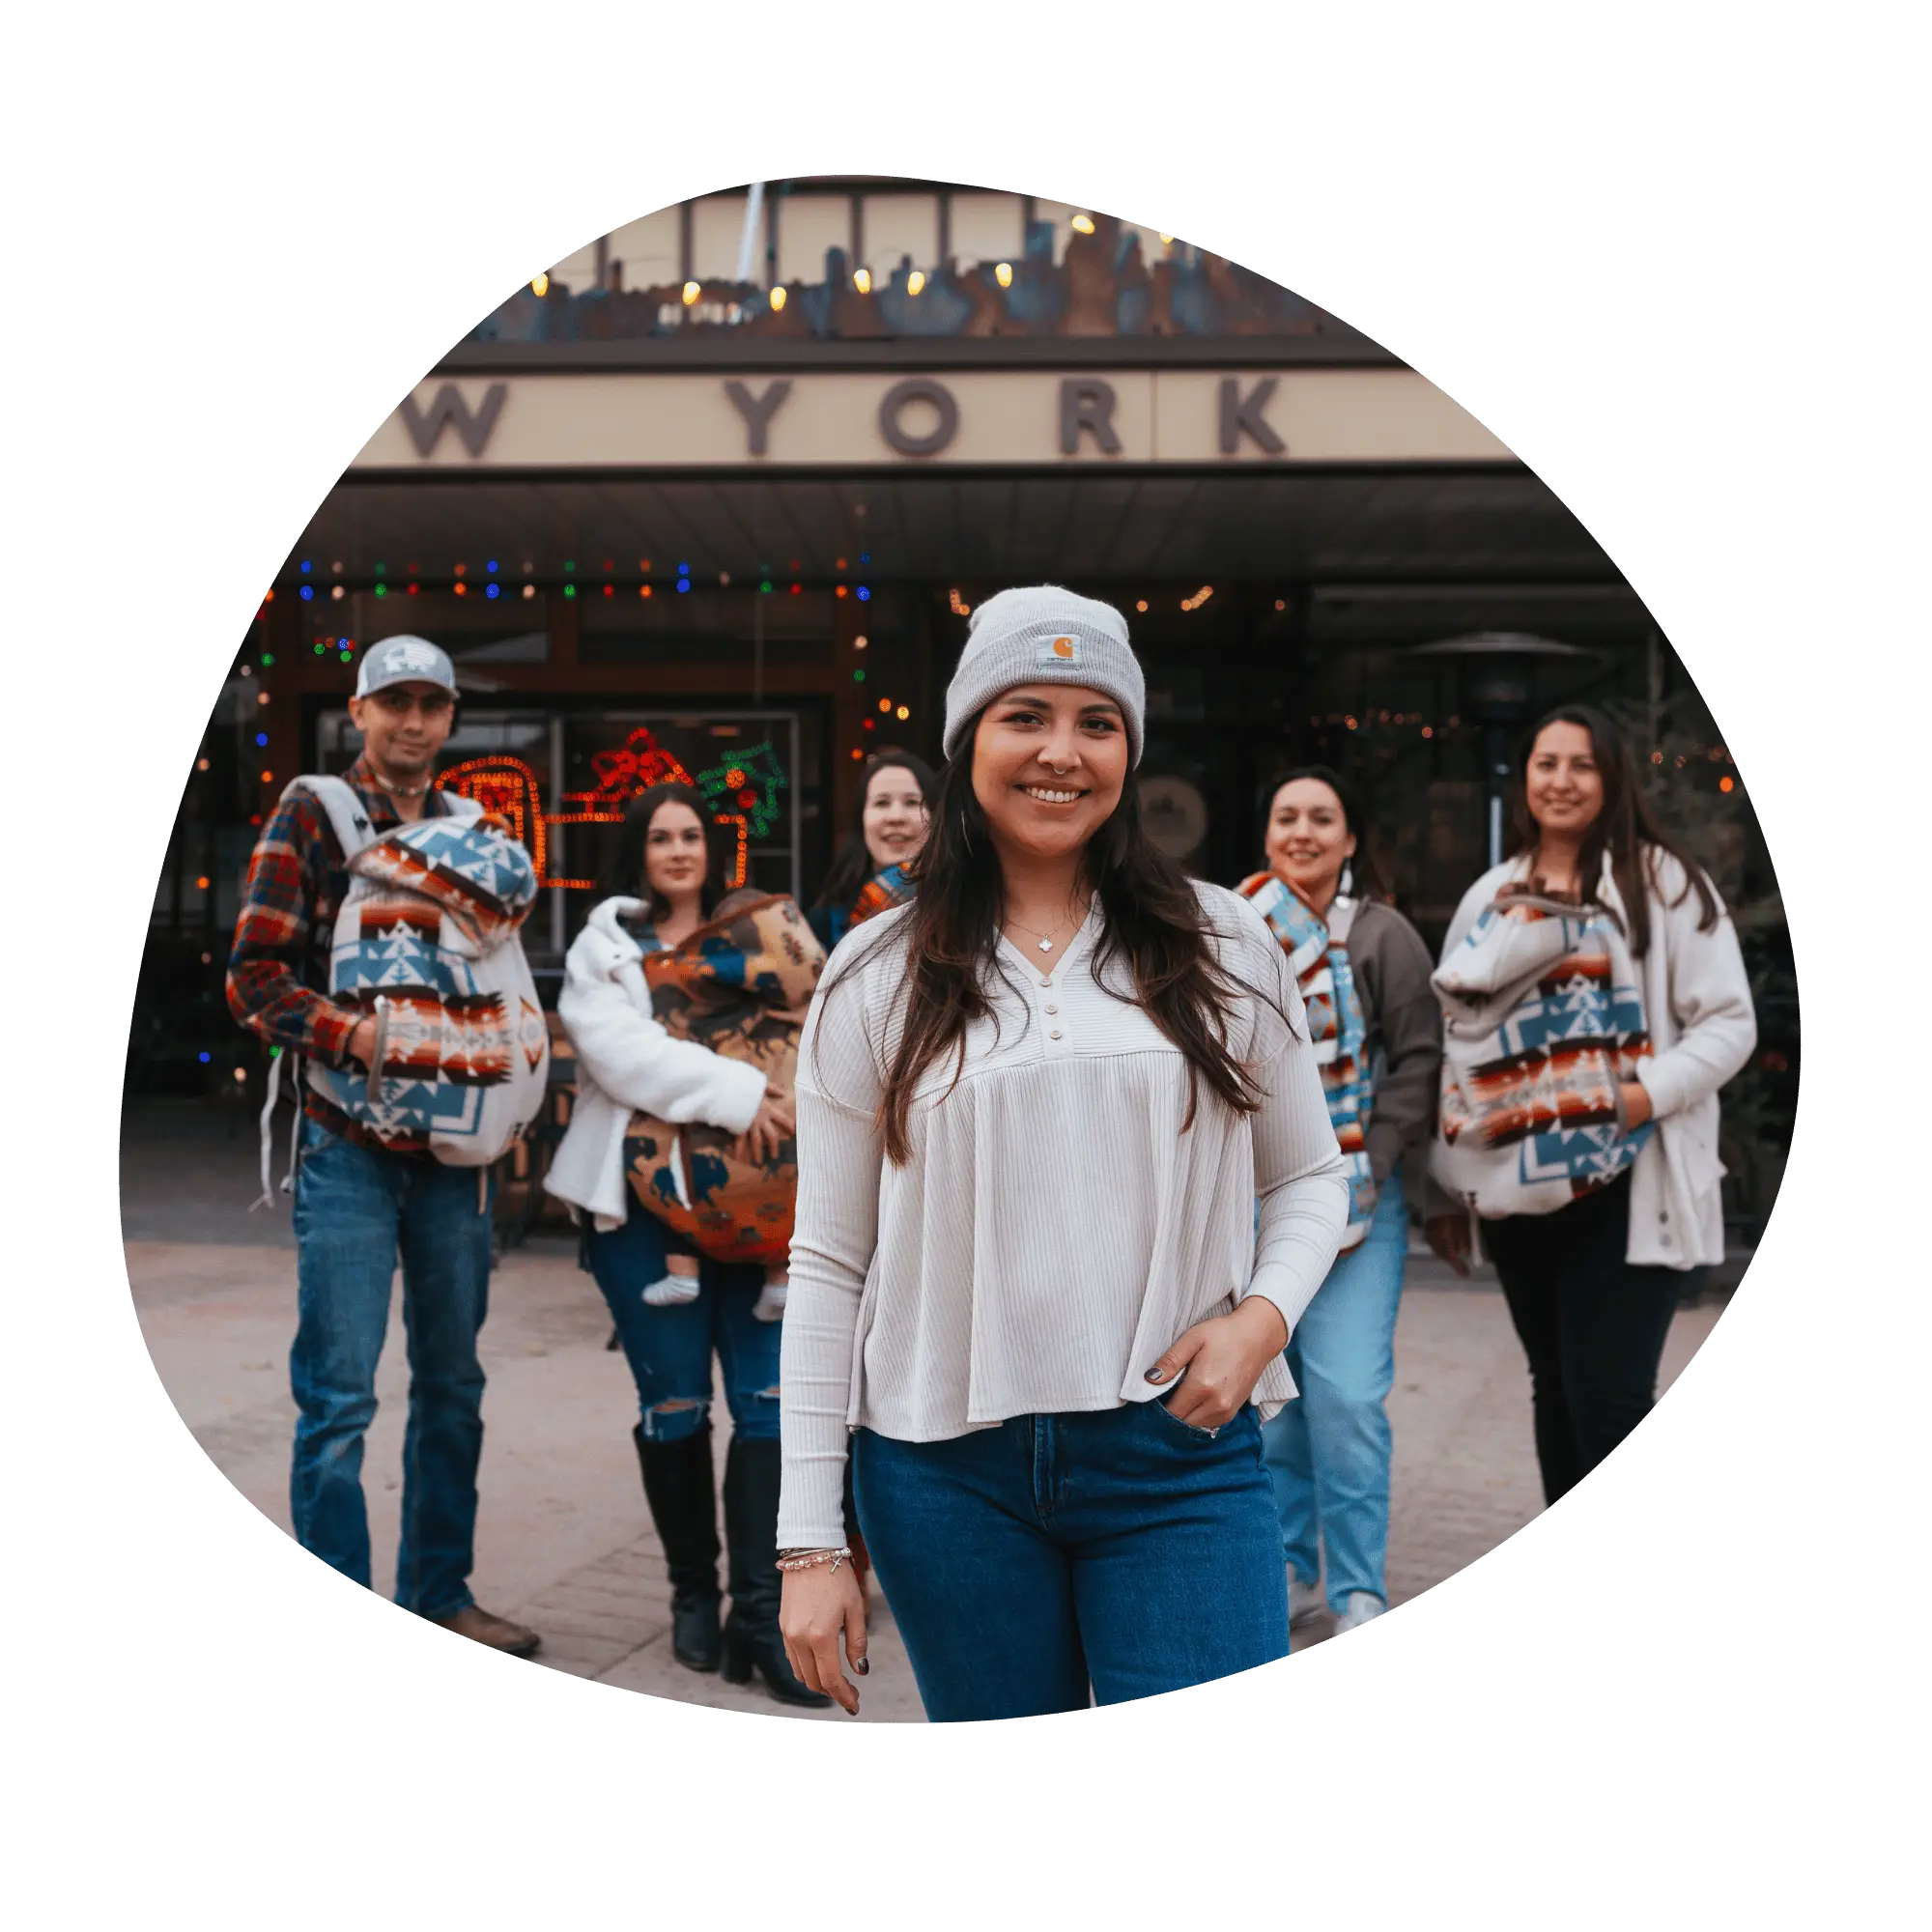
[[715, 496]]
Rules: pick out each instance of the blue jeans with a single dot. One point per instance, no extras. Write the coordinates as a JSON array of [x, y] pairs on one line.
[[1121, 1548], [1329, 1452], [356, 1210], [670, 1350]]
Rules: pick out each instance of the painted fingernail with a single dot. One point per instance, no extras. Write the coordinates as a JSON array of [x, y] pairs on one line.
[[1156, 1375], [862, 1667]]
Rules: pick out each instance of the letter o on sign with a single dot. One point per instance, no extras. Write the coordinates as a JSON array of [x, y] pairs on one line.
[[937, 397]]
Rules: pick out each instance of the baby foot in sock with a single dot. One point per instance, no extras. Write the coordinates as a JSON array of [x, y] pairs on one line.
[[673, 1292]]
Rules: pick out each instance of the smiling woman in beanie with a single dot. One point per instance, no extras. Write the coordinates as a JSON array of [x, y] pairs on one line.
[[1034, 1109]]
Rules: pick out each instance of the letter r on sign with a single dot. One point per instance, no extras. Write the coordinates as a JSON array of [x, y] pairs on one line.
[[1089, 405]]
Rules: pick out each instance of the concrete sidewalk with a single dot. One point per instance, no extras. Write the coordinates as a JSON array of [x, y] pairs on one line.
[[563, 1541]]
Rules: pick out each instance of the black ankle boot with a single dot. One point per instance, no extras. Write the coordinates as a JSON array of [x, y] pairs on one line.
[[684, 1508], [752, 1640]]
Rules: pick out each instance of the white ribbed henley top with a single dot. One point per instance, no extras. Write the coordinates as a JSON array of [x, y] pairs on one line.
[[1055, 1230]]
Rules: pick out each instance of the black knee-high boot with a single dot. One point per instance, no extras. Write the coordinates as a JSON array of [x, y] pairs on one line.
[[684, 1507], [752, 1640]]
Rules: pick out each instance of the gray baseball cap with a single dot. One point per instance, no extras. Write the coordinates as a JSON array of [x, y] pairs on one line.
[[404, 661]]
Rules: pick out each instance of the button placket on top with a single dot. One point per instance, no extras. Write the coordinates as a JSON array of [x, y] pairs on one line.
[[1048, 985]]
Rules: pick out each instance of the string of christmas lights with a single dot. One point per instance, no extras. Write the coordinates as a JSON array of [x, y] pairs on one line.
[[495, 583]]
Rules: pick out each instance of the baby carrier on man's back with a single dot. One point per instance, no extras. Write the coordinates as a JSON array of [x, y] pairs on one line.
[[427, 942], [739, 985]]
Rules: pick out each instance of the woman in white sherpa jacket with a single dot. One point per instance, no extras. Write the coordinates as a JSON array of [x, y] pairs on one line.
[[665, 879], [1592, 1169]]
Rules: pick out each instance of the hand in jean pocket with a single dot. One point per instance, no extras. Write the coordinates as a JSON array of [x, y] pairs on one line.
[[1219, 1361]]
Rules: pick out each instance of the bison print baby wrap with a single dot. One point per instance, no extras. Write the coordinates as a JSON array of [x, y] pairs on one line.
[[1543, 1020], [427, 943], [740, 987]]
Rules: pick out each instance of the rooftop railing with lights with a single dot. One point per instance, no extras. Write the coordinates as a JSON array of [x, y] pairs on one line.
[[941, 266]]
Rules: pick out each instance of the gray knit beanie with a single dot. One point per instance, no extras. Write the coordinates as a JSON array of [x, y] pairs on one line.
[[1044, 634]]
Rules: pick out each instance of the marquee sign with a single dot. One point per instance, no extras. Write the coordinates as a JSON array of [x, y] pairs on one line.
[[1008, 416]]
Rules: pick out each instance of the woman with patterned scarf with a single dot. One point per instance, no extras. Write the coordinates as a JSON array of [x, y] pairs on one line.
[[1363, 971], [889, 826], [1594, 1000]]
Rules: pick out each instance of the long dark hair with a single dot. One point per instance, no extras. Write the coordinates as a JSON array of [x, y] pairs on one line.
[[1626, 829], [1366, 875], [1155, 924], [626, 876], [854, 866]]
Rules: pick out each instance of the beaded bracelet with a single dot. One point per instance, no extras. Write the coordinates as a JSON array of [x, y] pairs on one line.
[[814, 1559]]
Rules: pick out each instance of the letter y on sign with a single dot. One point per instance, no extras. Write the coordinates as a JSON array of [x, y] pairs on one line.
[[758, 410]]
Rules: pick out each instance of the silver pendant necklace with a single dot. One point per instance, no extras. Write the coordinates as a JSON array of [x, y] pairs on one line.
[[1045, 939]]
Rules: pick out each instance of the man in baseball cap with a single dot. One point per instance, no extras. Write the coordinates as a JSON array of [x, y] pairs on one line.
[[363, 1202], [405, 661], [404, 705]]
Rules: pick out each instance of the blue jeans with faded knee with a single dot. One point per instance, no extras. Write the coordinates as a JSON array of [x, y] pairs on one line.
[[357, 1210], [670, 1350], [1329, 1451]]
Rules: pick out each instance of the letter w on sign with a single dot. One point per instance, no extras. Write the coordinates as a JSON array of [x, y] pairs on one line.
[[474, 426]]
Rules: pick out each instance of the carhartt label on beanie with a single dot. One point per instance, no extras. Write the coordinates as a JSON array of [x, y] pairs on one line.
[[1044, 634]]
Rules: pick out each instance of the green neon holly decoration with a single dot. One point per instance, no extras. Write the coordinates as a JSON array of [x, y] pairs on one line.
[[759, 778]]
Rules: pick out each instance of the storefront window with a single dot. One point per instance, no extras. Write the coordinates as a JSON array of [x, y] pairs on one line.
[[562, 780], [743, 763]]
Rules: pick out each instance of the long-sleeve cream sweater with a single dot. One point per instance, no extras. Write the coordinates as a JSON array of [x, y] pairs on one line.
[[1055, 1230]]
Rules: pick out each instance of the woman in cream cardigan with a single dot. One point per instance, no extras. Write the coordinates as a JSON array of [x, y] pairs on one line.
[[1594, 1002], [664, 881]]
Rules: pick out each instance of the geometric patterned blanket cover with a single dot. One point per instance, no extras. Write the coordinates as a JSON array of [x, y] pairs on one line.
[[1337, 1029], [473, 869], [426, 922], [738, 986], [1544, 1020]]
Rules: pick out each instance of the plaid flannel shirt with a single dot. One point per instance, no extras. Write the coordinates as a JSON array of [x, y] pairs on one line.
[[278, 969]]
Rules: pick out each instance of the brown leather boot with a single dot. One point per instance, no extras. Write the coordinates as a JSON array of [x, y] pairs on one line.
[[496, 1632]]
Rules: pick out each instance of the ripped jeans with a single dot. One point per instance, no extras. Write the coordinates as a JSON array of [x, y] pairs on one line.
[[670, 1350]]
